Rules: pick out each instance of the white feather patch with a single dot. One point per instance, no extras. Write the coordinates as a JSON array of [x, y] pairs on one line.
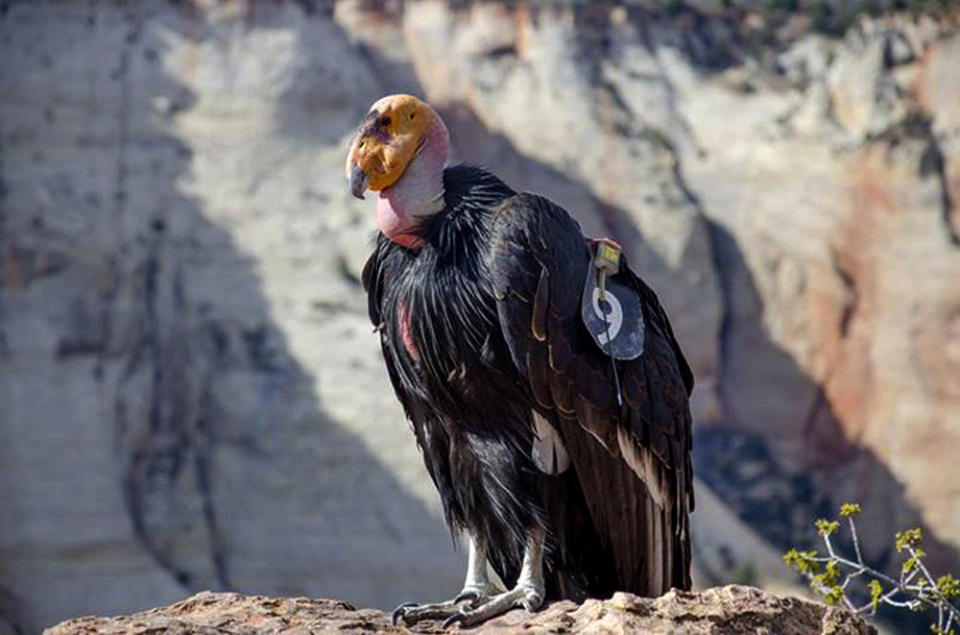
[[643, 462], [548, 451]]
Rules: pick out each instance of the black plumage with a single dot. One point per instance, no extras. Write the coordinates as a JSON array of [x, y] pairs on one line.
[[480, 328]]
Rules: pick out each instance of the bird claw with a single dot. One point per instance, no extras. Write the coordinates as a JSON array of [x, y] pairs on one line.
[[453, 619], [398, 612], [520, 597], [411, 612], [467, 594], [476, 592]]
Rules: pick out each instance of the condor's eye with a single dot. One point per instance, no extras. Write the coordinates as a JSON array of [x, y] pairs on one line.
[[385, 121]]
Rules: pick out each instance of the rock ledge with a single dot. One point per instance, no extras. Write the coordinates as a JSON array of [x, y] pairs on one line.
[[728, 609]]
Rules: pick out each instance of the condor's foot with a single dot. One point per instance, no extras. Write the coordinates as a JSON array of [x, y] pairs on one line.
[[411, 612], [476, 588], [528, 593], [523, 596]]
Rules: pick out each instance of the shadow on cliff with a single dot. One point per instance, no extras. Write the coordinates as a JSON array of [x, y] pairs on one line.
[[780, 458]]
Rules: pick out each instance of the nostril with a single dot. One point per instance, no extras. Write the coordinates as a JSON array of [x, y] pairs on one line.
[[361, 145]]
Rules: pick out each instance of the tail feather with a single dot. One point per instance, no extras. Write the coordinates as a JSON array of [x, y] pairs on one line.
[[646, 544]]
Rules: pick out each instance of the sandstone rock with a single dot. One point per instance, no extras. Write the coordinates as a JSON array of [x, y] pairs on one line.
[[729, 609]]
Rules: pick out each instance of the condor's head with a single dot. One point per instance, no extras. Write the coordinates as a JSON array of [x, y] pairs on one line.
[[399, 152]]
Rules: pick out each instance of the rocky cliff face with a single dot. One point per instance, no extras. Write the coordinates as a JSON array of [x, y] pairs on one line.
[[730, 609], [191, 394]]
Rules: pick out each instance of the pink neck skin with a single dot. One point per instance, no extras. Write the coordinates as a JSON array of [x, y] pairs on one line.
[[419, 192]]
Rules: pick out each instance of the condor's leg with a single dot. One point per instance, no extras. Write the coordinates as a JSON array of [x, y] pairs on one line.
[[528, 593], [476, 587]]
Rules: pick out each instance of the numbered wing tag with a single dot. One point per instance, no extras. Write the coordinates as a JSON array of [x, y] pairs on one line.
[[624, 317]]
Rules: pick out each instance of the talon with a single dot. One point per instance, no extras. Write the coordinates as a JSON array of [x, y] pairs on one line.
[[453, 619], [398, 612], [471, 594], [533, 603]]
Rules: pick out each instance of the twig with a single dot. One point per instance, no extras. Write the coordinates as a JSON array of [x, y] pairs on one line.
[[856, 540], [916, 584]]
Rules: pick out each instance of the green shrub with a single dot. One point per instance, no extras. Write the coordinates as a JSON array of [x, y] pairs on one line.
[[833, 575]]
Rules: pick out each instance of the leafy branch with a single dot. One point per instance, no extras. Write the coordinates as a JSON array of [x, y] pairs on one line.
[[831, 575]]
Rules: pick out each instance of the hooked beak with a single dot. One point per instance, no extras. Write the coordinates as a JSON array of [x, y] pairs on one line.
[[358, 181]]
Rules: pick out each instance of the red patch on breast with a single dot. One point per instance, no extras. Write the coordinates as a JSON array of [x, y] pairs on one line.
[[403, 317]]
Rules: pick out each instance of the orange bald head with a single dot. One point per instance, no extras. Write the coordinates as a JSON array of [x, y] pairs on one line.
[[390, 136]]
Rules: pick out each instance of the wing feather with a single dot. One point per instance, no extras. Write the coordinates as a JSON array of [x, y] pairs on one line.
[[370, 277], [632, 460], [541, 301]]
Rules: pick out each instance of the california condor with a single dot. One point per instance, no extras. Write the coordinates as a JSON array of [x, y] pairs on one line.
[[567, 468]]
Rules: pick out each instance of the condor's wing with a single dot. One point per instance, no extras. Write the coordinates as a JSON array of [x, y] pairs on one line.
[[633, 461]]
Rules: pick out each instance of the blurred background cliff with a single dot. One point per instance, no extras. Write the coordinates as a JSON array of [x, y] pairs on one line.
[[190, 393]]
